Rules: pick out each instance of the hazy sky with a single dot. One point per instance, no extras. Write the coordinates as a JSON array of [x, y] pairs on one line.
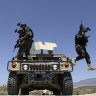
[[53, 21]]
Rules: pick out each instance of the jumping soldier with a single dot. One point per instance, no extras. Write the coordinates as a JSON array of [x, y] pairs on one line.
[[81, 41], [25, 40]]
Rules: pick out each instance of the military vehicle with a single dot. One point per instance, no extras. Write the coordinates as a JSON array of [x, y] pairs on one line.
[[42, 71]]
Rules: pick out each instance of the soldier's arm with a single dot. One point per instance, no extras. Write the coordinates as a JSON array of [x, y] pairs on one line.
[[28, 34], [87, 36]]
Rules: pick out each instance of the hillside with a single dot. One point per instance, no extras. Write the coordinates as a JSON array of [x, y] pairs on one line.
[[86, 82], [84, 90]]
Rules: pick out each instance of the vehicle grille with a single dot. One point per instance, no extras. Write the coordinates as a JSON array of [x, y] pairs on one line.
[[40, 67]]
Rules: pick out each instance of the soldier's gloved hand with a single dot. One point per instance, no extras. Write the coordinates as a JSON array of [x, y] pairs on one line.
[[15, 30], [88, 29]]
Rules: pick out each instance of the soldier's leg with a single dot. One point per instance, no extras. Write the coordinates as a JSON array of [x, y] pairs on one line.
[[27, 52], [79, 58], [87, 58], [20, 53], [81, 53]]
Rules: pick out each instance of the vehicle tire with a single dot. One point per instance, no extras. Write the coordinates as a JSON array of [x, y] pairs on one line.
[[67, 84], [13, 84], [24, 91], [56, 92]]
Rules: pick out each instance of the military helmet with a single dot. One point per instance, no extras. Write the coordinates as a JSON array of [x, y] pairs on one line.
[[22, 25]]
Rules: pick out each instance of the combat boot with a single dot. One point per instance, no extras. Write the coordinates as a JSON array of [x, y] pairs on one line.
[[91, 68], [73, 61]]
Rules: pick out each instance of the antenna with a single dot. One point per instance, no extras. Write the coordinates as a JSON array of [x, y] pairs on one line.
[[81, 21], [81, 26]]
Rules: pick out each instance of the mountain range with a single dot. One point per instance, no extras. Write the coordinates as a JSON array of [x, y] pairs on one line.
[[86, 82]]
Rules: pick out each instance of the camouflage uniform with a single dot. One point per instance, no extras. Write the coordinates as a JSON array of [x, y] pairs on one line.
[[81, 41], [27, 39], [80, 46]]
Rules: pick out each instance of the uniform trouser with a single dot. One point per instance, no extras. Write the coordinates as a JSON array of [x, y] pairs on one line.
[[82, 52], [24, 48]]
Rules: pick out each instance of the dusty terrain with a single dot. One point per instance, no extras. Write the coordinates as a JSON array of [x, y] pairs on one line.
[[77, 91]]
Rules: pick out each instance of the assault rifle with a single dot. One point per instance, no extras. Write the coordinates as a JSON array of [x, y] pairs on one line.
[[18, 44]]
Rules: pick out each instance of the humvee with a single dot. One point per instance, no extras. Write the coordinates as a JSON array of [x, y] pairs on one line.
[[42, 71]]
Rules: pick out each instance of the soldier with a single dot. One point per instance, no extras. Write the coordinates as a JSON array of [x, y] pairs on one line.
[[25, 40], [81, 41]]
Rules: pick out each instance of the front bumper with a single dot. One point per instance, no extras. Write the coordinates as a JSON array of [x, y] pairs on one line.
[[40, 80], [40, 66]]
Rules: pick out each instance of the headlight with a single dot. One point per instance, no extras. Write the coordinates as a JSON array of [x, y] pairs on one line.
[[25, 67], [55, 67], [65, 65], [14, 64]]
